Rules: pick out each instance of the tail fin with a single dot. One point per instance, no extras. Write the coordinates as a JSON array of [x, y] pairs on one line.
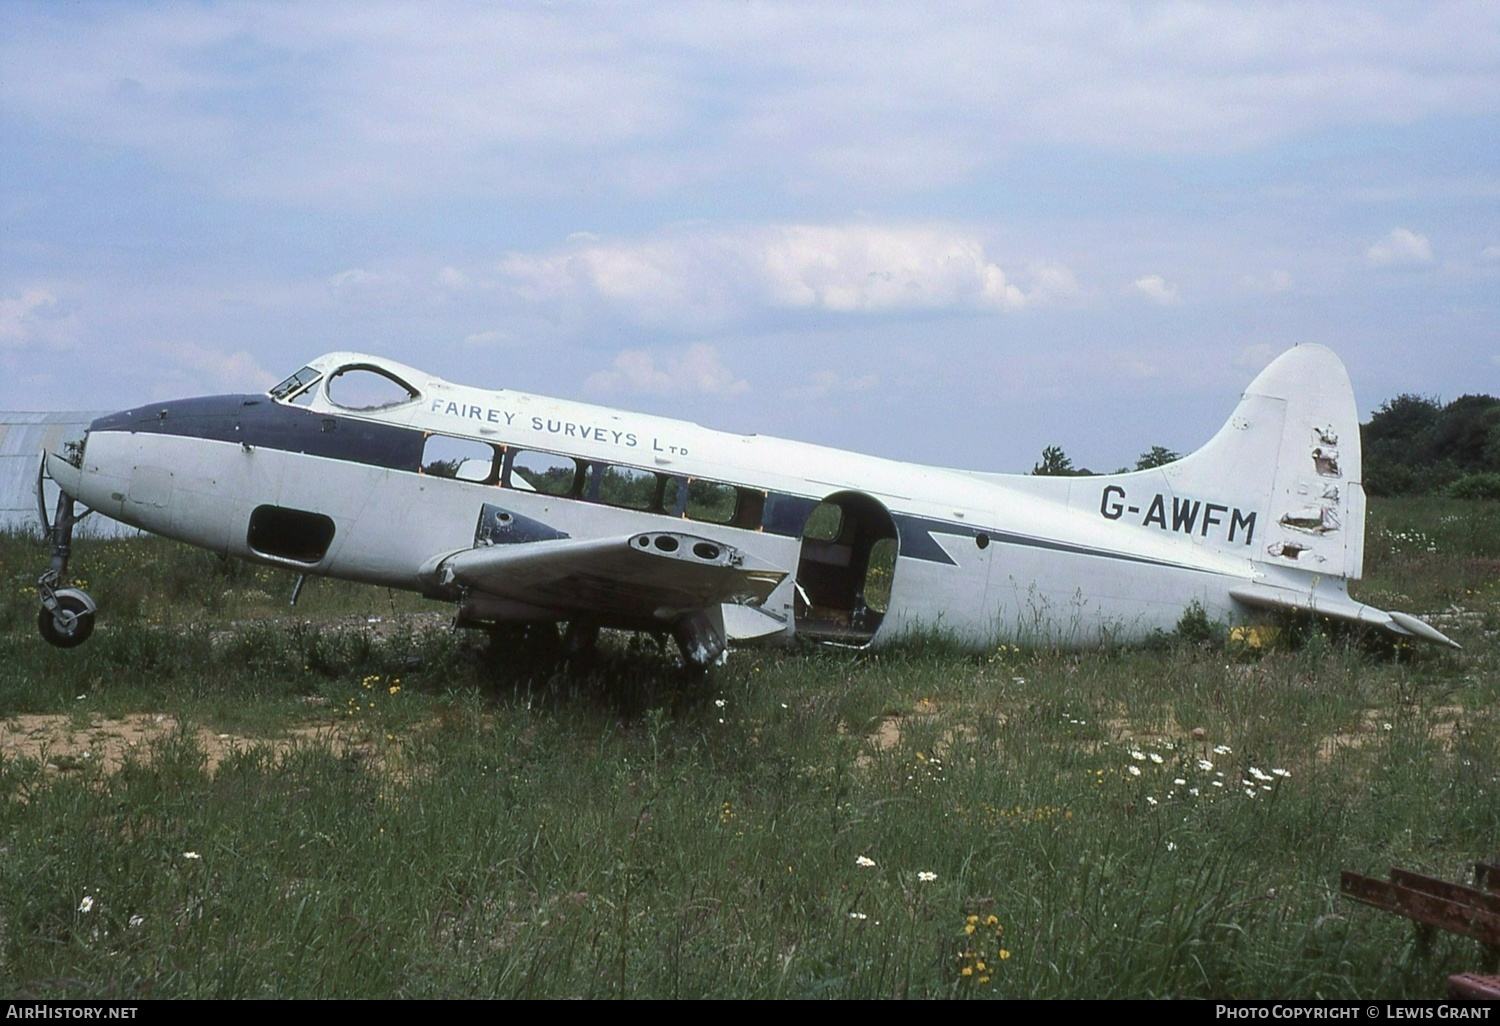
[[1290, 453]]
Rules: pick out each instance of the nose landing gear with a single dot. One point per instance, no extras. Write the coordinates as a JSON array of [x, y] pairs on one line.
[[66, 618], [69, 620]]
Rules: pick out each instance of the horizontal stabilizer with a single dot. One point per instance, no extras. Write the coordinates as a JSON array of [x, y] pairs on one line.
[[1335, 603]]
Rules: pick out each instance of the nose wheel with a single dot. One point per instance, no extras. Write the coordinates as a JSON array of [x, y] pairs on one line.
[[69, 621], [66, 618]]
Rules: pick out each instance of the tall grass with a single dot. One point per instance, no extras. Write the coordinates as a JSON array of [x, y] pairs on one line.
[[466, 822]]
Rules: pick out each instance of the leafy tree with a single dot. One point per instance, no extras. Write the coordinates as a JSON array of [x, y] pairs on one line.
[[1156, 456], [1414, 445], [1055, 463], [1405, 418]]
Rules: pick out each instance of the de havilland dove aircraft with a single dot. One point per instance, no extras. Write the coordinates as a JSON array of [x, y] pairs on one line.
[[527, 510]]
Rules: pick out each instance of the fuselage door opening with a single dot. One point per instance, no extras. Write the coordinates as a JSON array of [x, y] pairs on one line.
[[846, 569]]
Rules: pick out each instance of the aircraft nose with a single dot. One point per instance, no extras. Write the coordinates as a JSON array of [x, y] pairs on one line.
[[175, 416]]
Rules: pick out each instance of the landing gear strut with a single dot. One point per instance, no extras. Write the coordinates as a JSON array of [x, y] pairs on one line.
[[66, 618]]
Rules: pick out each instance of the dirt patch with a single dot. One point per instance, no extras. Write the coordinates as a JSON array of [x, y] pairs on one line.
[[1444, 722], [888, 734], [1369, 727], [65, 743]]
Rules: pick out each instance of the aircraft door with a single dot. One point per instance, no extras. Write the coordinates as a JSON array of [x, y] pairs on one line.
[[846, 569]]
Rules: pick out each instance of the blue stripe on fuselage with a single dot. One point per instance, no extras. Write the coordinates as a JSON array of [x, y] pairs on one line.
[[256, 421]]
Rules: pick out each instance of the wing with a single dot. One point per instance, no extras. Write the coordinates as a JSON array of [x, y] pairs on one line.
[[656, 576]]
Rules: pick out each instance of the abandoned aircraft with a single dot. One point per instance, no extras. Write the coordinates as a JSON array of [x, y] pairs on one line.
[[523, 509]]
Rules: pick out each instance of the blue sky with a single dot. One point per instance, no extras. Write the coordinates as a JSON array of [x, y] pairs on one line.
[[945, 232]]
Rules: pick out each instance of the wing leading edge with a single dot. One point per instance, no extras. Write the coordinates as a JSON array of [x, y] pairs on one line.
[[652, 576]]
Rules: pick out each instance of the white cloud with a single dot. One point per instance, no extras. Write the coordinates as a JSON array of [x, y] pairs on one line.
[[1490, 254], [696, 369], [360, 102], [1272, 283], [1155, 288], [1051, 283], [195, 369], [704, 277], [1401, 248], [33, 316], [822, 384], [18, 315], [359, 282], [451, 279]]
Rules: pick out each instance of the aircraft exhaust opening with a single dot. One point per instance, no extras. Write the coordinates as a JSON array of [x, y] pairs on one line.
[[703, 550], [666, 543], [295, 534]]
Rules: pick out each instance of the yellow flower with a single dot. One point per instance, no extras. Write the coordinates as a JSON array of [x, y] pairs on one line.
[[1004, 954]]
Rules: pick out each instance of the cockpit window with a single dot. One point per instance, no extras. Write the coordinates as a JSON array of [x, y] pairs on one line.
[[368, 388], [298, 382]]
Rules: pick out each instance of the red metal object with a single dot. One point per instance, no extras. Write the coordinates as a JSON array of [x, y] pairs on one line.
[[1471, 987], [1430, 903]]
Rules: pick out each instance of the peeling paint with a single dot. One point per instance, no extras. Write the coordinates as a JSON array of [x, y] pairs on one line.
[[1326, 461], [1313, 519]]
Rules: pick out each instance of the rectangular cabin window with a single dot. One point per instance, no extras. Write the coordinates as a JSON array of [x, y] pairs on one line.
[[545, 473], [625, 487], [713, 502], [461, 458]]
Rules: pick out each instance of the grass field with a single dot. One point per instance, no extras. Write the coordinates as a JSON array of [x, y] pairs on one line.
[[221, 797]]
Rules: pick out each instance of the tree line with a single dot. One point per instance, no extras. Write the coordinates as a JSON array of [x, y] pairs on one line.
[[1412, 445]]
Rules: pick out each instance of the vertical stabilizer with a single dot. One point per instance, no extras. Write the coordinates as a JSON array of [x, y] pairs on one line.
[[1291, 453]]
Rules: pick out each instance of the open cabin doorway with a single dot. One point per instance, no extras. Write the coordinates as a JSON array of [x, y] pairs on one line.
[[846, 570]]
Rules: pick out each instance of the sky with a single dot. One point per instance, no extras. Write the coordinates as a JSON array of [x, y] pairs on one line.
[[951, 233]]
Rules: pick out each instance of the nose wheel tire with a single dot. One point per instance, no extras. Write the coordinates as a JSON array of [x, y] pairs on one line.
[[71, 623]]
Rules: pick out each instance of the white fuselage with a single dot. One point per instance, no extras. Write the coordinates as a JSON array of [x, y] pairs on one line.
[[521, 508]]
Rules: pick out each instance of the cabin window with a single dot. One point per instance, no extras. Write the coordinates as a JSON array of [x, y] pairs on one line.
[[298, 388], [461, 458], [626, 487], [879, 575], [825, 523], [368, 388], [711, 502], [544, 472], [293, 534]]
